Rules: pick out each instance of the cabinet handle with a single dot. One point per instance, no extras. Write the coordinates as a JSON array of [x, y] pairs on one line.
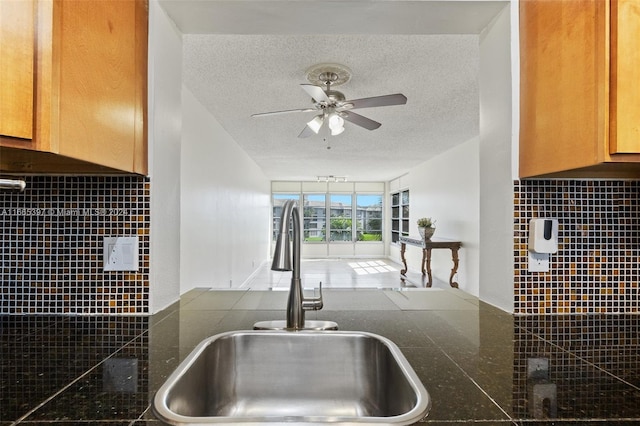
[[14, 184]]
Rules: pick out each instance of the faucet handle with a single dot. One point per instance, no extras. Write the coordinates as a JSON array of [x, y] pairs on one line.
[[313, 303]]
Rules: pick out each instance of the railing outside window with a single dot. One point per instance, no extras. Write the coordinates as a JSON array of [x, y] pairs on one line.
[[314, 217], [341, 213], [278, 203], [369, 217], [346, 217]]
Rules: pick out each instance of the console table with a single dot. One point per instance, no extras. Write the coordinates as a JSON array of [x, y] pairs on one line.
[[427, 246]]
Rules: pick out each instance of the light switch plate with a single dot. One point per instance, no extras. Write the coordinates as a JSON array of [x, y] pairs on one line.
[[120, 253]]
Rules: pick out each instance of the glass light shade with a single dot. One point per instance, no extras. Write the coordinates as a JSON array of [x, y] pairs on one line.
[[336, 124], [316, 123]]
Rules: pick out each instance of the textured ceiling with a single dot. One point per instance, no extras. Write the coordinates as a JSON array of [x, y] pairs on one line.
[[246, 57]]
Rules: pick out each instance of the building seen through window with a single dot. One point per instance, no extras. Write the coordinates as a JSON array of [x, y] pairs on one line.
[[335, 217]]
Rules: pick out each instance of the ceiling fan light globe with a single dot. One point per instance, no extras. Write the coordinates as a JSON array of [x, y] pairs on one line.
[[316, 123], [336, 123], [336, 132]]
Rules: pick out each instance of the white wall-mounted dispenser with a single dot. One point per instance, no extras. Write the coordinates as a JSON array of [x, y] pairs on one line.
[[543, 240], [543, 235]]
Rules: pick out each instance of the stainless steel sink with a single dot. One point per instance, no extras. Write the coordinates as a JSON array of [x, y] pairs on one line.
[[303, 377]]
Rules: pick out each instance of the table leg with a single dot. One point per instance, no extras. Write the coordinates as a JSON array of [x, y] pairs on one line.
[[454, 255], [427, 252], [403, 247]]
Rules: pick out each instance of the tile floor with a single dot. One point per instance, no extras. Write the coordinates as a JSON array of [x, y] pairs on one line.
[[342, 273], [475, 360], [336, 273]]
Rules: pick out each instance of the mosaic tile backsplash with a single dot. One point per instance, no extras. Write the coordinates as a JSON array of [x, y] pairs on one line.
[[52, 245], [596, 268]]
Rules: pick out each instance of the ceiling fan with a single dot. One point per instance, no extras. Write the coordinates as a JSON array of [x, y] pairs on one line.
[[334, 108]]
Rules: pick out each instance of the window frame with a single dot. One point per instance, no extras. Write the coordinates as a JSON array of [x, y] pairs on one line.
[[275, 219], [327, 230], [400, 209], [381, 212], [324, 230]]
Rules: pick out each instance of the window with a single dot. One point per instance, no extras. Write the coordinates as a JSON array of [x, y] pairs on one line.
[[314, 217], [341, 214], [346, 217], [399, 215], [369, 217], [278, 203]]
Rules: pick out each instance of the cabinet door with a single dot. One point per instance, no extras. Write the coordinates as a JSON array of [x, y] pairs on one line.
[[625, 77], [564, 84], [97, 81], [17, 50]]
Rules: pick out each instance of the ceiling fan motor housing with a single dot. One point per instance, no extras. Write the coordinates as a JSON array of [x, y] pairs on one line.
[[334, 96]]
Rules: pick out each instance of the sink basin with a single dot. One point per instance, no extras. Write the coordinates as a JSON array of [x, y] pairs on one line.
[[304, 377]]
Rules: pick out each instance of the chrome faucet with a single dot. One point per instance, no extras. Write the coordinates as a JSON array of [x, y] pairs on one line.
[[284, 261]]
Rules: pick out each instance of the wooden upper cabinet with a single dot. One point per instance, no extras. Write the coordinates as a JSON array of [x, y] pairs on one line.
[[89, 86], [579, 91], [17, 58], [625, 76]]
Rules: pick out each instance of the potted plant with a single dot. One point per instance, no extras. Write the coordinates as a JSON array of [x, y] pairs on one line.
[[426, 227]]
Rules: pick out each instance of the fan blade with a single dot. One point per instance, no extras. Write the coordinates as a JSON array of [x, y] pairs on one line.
[[377, 101], [316, 93], [359, 120], [261, 114], [312, 127]]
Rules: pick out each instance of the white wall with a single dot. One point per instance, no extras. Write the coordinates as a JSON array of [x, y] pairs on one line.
[[446, 189], [469, 189], [496, 154], [164, 115], [225, 199]]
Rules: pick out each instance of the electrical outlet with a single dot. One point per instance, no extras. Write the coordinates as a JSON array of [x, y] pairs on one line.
[[120, 253], [538, 262]]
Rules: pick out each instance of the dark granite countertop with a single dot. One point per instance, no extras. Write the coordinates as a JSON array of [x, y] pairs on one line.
[[478, 363]]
